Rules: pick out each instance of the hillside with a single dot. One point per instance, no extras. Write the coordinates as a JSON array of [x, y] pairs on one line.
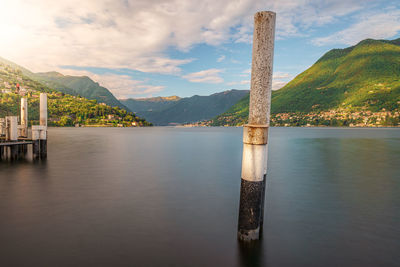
[[73, 85], [191, 109], [64, 109], [141, 105], [78, 85], [358, 85]]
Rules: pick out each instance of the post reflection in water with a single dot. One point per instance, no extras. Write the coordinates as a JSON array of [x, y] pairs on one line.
[[251, 254]]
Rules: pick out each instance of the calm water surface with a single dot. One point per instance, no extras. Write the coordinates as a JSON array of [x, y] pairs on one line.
[[170, 197]]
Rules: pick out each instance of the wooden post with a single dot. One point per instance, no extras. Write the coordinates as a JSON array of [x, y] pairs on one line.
[[12, 135], [43, 123], [35, 142], [43, 143], [2, 127], [255, 133], [24, 117], [43, 109], [2, 132]]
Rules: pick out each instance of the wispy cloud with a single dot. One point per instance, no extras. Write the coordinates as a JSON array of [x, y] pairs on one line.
[[205, 76], [376, 26], [280, 79], [221, 58], [281, 75]]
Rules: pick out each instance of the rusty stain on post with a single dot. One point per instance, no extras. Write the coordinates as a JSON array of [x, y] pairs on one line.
[[255, 133]]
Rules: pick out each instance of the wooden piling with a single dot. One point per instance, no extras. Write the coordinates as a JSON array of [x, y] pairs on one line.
[[24, 118], [2, 127], [35, 142], [43, 109], [12, 135], [255, 133], [43, 123], [43, 143]]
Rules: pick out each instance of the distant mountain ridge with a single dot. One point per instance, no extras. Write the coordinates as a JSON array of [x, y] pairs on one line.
[[143, 105], [361, 78], [175, 110]]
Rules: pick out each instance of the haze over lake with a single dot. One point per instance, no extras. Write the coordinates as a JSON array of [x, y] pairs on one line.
[[170, 197]]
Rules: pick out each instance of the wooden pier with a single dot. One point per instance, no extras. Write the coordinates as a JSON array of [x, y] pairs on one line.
[[15, 138]]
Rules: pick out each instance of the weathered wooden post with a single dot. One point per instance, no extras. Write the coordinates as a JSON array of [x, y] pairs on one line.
[[43, 123], [2, 133], [2, 127], [12, 135], [24, 117], [35, 141], [255, 133]]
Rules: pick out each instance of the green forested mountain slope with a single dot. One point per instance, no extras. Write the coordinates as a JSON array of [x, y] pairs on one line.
[[64, 109], [80, 85], [73, 85], [361, 78]]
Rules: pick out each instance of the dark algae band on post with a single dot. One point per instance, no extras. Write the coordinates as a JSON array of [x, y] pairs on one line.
[[250, 210]]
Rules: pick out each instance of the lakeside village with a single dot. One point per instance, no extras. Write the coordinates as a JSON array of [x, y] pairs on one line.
[[333, 118], [64, 109]]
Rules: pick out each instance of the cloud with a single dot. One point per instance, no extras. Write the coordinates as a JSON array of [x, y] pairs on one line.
[[280, 79], [205, 76], [278, 84], [122, 86], [281, 75], [376, 26], [221, 58], [135, 34]]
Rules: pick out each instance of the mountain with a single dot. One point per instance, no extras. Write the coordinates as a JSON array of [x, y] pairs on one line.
[[142, 105], [73, 85], [364, 78], [78, 85], [64, 109], [175, 110]]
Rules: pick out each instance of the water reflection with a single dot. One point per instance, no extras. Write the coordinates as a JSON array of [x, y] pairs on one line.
[[251, 254], [170, 197]]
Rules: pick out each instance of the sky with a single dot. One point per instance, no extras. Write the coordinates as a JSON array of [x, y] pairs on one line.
[[146, 48]]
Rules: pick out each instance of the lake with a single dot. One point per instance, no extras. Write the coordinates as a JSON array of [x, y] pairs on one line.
[[166, 196]]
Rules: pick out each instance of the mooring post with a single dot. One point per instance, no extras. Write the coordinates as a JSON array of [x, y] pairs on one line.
[[36, 142], [12, 135], [2, 133], [255, 133], [43, 123], [2, 127], [24, 117]]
